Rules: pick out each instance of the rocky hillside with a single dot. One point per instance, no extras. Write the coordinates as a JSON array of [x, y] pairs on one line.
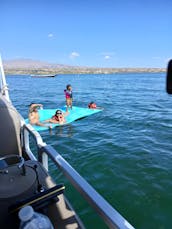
[[28, 66], [29, 63]]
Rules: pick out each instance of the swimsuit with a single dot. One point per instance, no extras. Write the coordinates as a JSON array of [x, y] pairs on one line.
[[58, 118], [68, 94]]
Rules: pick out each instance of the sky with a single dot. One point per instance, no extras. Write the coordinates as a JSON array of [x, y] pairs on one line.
[[93, 33]]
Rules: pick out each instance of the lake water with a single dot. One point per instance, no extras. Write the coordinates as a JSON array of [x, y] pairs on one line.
[[125, 152]]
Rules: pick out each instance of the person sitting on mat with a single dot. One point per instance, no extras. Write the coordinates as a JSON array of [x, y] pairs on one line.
[[33, 115], [58, 118], [68, 96]]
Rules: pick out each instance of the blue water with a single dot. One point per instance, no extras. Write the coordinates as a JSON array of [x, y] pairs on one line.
[[125, 152]]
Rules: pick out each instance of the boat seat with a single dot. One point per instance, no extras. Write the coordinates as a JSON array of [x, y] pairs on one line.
[[10, 127]]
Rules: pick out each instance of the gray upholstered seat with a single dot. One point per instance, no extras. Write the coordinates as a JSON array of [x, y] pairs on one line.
[[9, 129]]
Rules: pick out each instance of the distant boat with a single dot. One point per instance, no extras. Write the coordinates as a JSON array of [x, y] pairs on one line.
[[38, 75]]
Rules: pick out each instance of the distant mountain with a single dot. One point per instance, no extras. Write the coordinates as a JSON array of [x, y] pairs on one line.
[[29, 63], [29, 66]]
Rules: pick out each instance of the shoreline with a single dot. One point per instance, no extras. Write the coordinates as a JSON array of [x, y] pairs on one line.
[[57, 71]]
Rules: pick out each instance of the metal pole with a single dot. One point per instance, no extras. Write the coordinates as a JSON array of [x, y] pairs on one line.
[[4, 88]]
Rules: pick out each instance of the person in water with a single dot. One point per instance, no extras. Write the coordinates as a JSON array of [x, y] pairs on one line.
[[92, 105], [68, 96], [58, 118], [33, 115]]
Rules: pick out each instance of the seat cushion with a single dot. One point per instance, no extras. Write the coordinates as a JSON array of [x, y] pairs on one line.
[[10, 126]]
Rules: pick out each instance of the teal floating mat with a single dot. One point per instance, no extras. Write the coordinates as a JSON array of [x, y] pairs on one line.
[[75, 113]]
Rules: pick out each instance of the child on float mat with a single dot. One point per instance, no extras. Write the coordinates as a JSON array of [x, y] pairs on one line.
[[68, 96]]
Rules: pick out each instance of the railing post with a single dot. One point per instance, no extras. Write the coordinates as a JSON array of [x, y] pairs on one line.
[[3, 84], [43, 158], [26, 144]]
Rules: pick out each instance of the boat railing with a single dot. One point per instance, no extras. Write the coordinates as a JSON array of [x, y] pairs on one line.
[[3, 84], [110, 216]]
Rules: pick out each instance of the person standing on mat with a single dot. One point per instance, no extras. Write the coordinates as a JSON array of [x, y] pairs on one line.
[[68, 96]]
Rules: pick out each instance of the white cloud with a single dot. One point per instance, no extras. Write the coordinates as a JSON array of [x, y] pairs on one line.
[[107, 57], [74, 55], [50, 35], [107, 53]]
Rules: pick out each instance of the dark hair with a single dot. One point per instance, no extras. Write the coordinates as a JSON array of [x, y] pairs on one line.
[[58, 111], [68, 86]]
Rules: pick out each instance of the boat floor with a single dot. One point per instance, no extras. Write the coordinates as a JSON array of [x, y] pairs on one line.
[[60, 213]]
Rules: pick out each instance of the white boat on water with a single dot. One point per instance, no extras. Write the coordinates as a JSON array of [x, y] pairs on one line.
[[42, 76], [25, 179]]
